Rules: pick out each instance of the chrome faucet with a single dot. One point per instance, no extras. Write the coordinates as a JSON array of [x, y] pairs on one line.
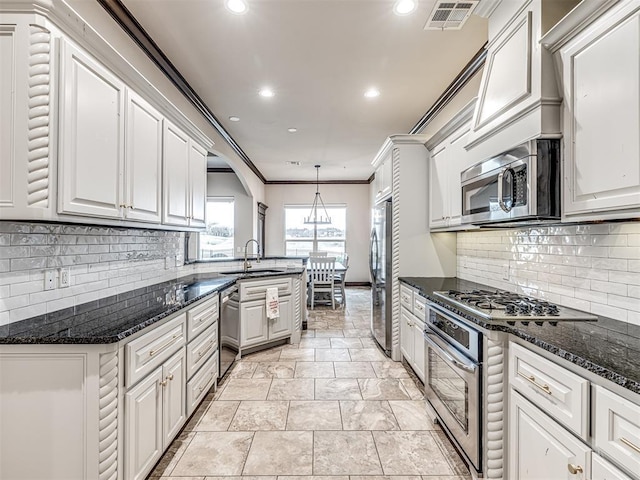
[[247, 265]]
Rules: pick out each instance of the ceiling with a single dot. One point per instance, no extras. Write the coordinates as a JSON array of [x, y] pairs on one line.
[[319, 57]]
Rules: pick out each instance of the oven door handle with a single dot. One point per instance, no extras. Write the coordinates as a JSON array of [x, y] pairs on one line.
[[462, 366]]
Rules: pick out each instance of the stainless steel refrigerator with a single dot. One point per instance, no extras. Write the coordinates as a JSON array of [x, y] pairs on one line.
[[380, 270]]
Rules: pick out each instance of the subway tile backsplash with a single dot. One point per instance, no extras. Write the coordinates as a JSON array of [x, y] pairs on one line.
[[591, 267], [102, 261]]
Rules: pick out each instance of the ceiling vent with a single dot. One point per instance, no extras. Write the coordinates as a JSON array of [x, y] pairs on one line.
[[449, 15]]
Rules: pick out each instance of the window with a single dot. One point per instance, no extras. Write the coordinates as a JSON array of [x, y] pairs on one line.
[[300, 239], [217, 242]]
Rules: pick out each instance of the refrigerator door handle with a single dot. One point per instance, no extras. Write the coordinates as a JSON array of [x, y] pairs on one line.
[[373, 256]]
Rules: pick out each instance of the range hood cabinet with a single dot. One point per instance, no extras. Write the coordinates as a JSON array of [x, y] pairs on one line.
[[519, 99]]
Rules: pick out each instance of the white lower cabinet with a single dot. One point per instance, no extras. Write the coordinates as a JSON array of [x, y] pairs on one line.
[[412, 341], [257, 329], [601, 469], [154, 413], [540, 448]]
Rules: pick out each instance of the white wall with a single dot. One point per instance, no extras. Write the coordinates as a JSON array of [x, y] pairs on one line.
[[356, 197], [228, 185]]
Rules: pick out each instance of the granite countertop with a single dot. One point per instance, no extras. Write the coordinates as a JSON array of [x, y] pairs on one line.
[[606, 347], [111, 319]]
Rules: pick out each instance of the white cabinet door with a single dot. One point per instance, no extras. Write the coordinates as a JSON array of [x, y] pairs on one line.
[[438, 187], [175, 175], [198, 184], [540, 448], [418, 348], [253, 319], [406, 334], [283, 325], [602, 116], [384, 180], [143, 426], [143, 160], [459, 160], [173, 397], [91, 136]]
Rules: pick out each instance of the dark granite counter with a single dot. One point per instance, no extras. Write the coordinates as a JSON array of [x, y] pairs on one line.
[[608, 348], [111, 319]]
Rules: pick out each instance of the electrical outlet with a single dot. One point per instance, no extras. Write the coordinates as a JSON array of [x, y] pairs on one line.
[[505, 272], [50, 280], [64, 277]]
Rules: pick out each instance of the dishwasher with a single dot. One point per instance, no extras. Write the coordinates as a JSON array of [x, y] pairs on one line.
[[229, 331]]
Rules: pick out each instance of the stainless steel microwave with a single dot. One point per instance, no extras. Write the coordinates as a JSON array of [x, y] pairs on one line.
[[518, 186]]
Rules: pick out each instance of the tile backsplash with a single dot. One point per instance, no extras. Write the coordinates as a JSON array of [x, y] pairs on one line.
[[102, 261], [591, 267]]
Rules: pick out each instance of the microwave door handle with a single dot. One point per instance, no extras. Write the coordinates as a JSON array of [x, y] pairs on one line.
[[501, 202], [449, 358]]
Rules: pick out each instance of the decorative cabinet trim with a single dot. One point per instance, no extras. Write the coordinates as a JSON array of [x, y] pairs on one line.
[[495, 403], [39, 121], [395, 256], [108, 419]]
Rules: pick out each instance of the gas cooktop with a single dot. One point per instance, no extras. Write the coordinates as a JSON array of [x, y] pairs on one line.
[[503, 306]]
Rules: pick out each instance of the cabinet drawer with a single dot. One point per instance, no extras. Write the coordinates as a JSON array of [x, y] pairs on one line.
[[256, 289], [559, 392], [201, 383], [406, 297], [199, 351], [603, 470], [149, 351], [617, 428], [199, 318], [419, 307]]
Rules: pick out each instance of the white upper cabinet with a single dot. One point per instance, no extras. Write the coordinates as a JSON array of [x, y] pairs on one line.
[[143, 160], [600, 70], [91, 136], [176, 175], [448, 158], [185, 178], [383, 180], [197, 185]]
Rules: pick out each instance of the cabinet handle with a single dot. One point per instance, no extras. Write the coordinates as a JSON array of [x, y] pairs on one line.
[[170, 376], [163, 383], [531, 379], [163, 347], [122, 205], [202, 352], [575, 469], [630, 444]]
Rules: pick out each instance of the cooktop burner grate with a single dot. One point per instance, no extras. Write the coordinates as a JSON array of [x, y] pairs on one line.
[[510, 307]]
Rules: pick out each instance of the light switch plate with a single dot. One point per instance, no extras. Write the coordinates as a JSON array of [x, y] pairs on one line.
[[50, 280]]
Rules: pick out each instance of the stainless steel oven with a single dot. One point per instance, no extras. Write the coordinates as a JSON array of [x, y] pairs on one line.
[[520, 185], [453, 379]]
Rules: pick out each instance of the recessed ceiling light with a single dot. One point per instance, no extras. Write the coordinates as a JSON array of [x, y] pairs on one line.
[[405, 7], [237, 6], [266, 92], [292, 130], [372, 93], [234, 118]]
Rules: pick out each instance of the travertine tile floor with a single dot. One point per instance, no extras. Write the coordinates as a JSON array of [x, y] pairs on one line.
[[333, 407]]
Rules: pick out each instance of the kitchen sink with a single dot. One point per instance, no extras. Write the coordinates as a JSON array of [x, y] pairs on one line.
[[253, 271]]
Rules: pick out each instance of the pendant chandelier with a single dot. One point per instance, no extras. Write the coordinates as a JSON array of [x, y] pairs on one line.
[[315, 217]]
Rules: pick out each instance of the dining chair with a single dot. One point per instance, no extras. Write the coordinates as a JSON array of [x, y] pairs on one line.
[[317, 254], [321, 273], [339, 279]]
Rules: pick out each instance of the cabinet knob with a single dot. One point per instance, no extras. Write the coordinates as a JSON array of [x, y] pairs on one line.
[[170, 376], [122, 205], [575, 469], [163, 383]]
